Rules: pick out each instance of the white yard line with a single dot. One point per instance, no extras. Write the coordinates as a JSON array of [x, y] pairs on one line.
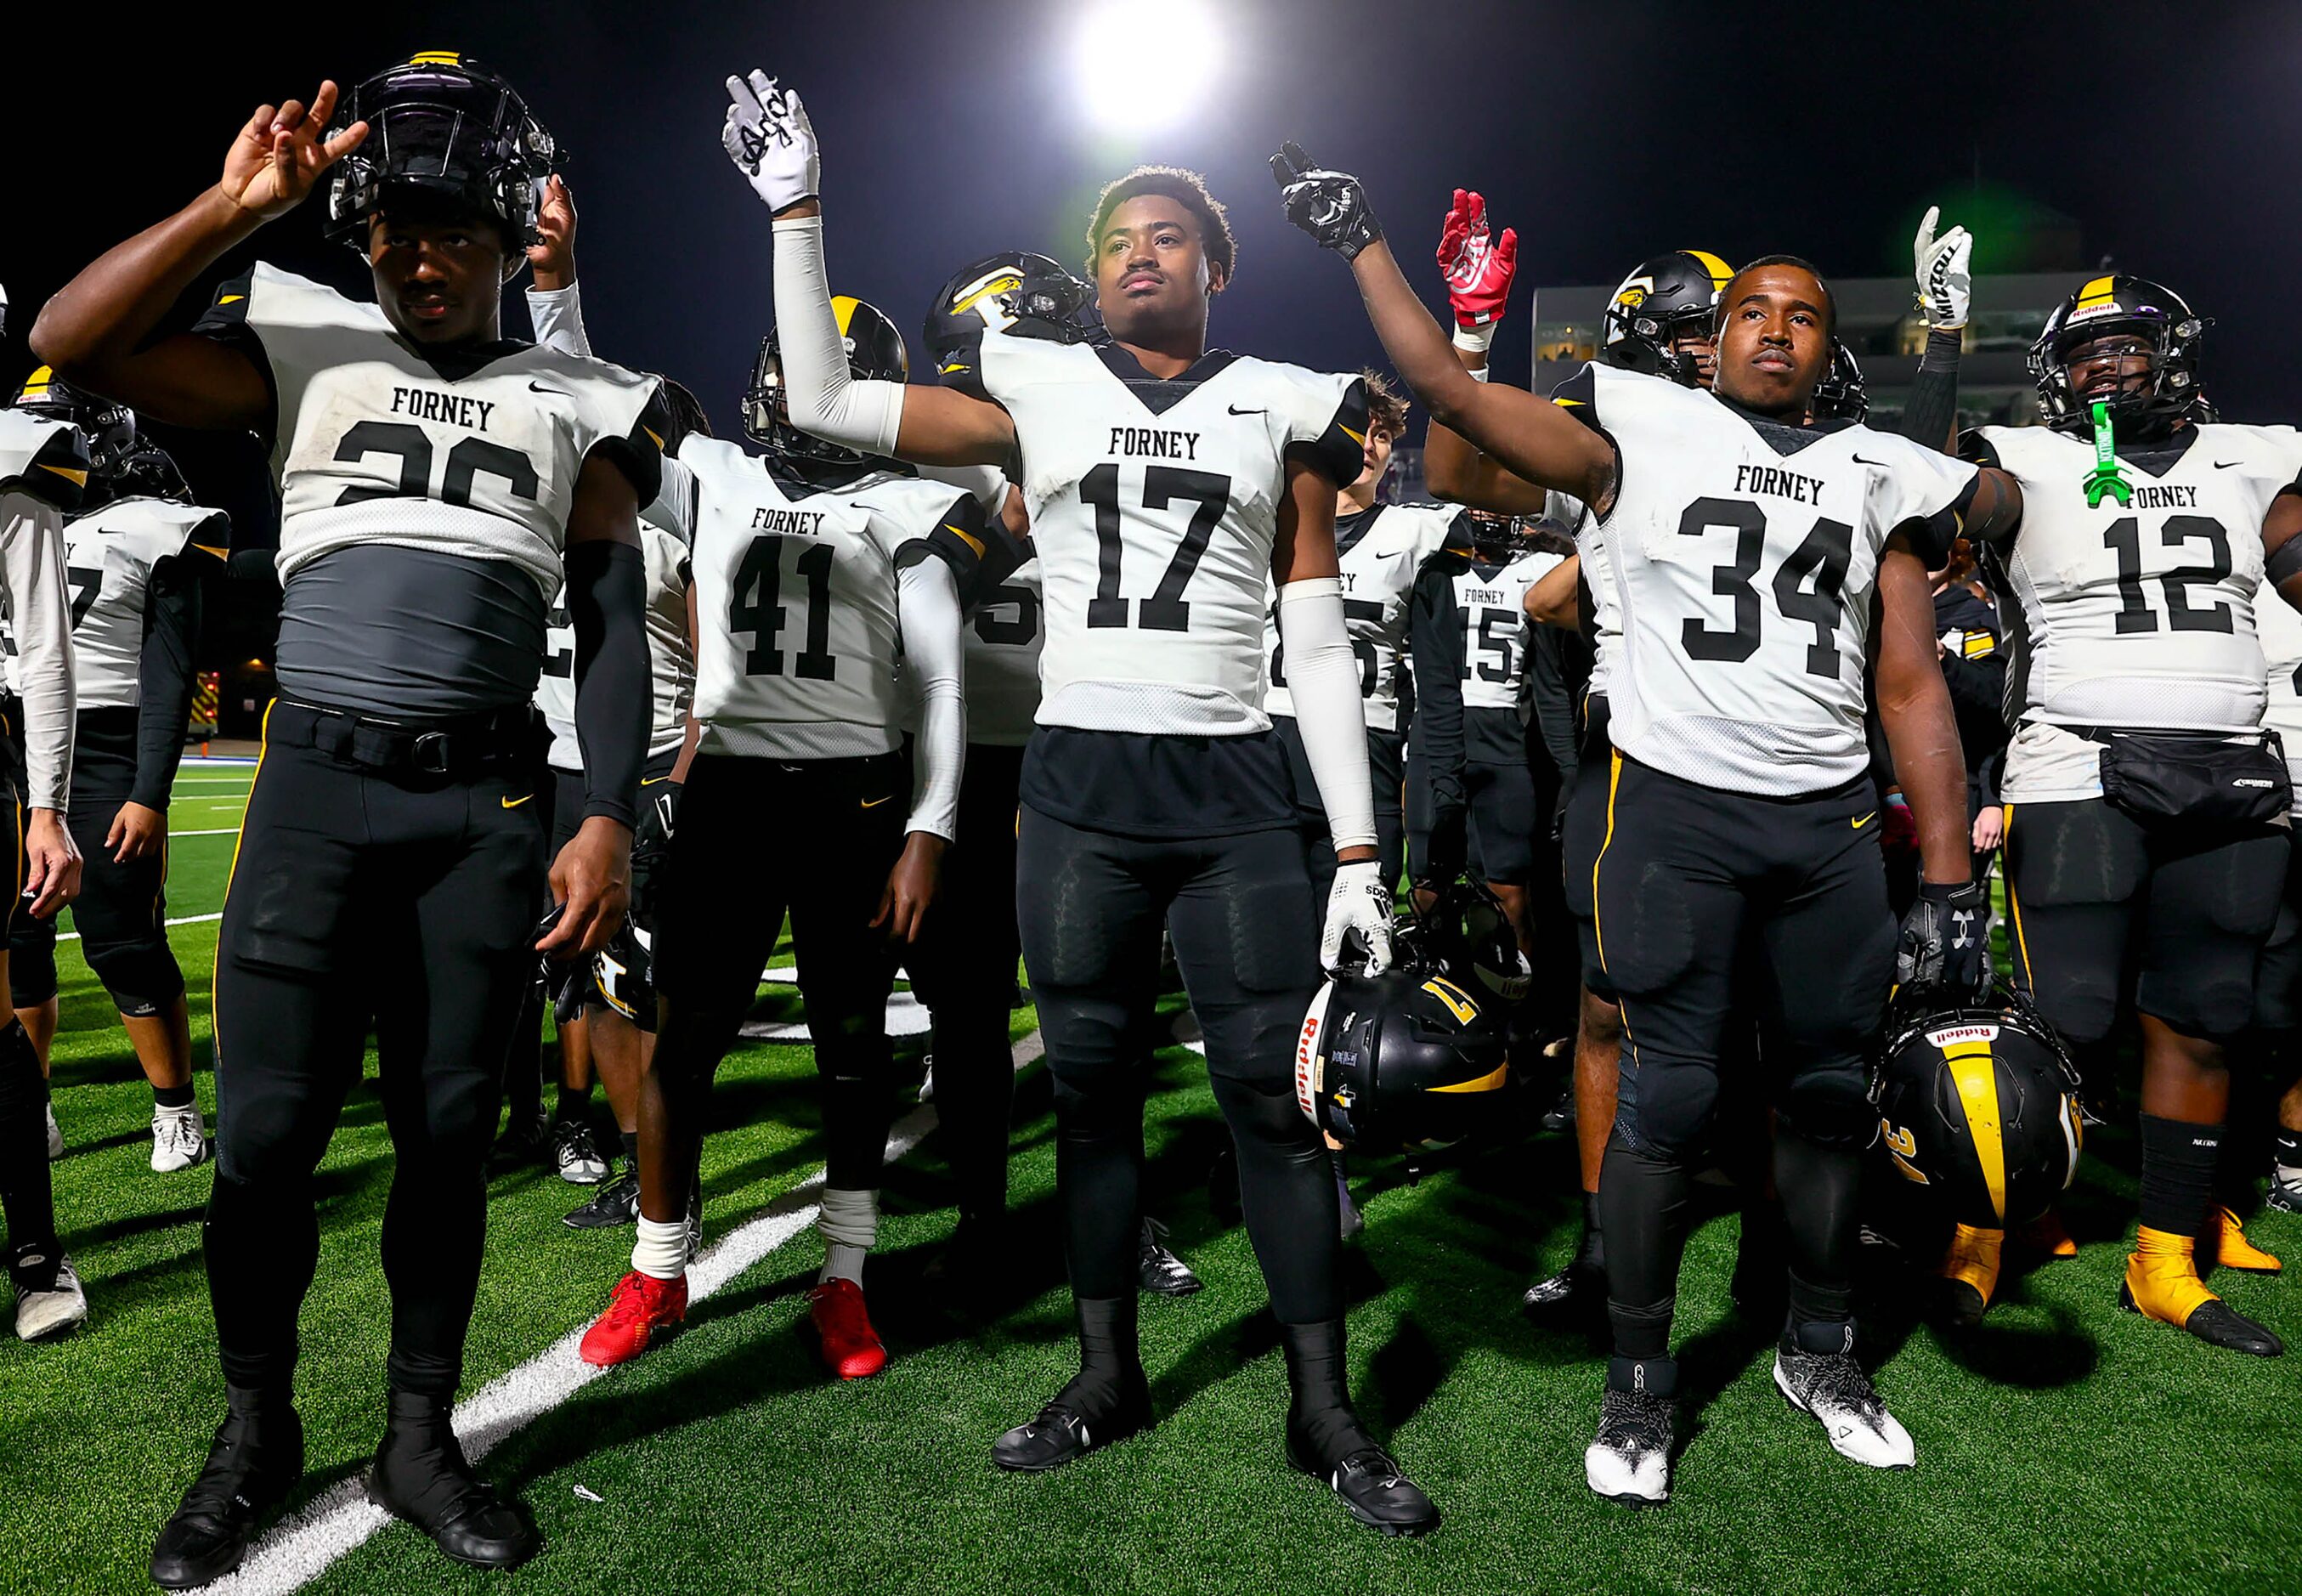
[[302, 1547], [188, 919], [210, 831]]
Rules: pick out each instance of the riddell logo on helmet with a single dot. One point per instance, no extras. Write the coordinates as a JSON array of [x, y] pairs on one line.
[[1306, 1062], [1951, 1034]]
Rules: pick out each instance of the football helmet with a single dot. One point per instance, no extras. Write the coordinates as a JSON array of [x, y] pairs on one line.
[[875, 353], [1665, 298], [1494, 536], [442, 126], [1978, 1104], [1015, 290], [1841, 395], [2118, 303], [1407, 1061], [1465, 936], [121, 462]]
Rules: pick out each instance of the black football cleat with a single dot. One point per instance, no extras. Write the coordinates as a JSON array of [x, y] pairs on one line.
[[421, 1475], [2218, 1324], [1561, 1115], [1583, 1281], [256, 1460], [617, 1203], [1082, 1418], [1158, 1270], [525, 1141], [1369, 1483]]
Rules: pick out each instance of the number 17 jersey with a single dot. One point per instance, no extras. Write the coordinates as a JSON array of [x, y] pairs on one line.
[[1154, 505]]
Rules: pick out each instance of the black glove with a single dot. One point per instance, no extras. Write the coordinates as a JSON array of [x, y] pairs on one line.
[[1331, 207], [1448, 855], [650, 846], [1946, 942]]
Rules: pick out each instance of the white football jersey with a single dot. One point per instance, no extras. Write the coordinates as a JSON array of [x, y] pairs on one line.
[[1598, 579], [110, 554], [43, 459], [1491, 608], [799, 637], [1154, 505], [1000, 655], [2140, 613], [1745, 577], [671, 662], [476, 457], [1380, 550]]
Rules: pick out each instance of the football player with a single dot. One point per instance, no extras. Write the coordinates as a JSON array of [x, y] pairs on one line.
[[2146, 819], [1168, 486], [1662, 321], [1738, 796], [438, 483], [819, 573], [614, 1025], [44, 467], [135, 555]]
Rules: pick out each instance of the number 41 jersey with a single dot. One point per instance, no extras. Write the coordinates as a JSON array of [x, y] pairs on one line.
[[798, 635], [1744, 555], [2139, 614], [1154, 504]]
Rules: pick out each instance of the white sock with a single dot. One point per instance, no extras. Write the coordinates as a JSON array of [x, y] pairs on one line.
[[661, 1250], [849, 1223]]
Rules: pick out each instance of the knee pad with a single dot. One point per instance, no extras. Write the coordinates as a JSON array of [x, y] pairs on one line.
[[23, 1090], [1272, 1118], [1666, 1112], [32, 969], [141, 974], [1830, 1108]]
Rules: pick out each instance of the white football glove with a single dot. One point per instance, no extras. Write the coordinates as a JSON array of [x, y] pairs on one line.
[[1358, 902], [768, 136], [1945, 283]]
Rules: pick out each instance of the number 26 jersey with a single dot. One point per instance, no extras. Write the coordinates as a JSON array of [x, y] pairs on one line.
[[1154, 505], [1745, 555]]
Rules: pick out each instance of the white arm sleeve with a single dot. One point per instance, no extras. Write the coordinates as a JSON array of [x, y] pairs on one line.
[[558, 317], [33, 561], [1323, 677], [825, 401], [927, 603]]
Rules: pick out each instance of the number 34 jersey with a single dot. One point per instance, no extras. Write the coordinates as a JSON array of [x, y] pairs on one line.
[[1154, 505], [798, 635], [2139, 614], [1745, 556]]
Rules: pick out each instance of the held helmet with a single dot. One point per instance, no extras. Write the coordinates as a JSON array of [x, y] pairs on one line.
[[1841, 395], [2160, 317], [450, 132], [875, 353], [1664, 299], [1407, 1061]]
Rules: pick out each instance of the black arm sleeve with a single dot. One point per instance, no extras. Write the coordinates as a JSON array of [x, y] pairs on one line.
[[163, 677], [1435, 636], [607, 600], [1932, 410]]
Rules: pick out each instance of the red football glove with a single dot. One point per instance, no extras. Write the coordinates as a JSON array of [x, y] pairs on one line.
[[1478, 268]]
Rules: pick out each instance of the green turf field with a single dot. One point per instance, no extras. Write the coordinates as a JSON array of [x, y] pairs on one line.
[[2066, 1446]]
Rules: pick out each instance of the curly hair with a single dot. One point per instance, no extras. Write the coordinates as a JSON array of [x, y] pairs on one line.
[[1186, 188], [1387, 408]]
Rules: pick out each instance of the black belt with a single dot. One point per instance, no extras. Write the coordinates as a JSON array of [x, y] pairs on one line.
[[460, 746], [2180, 734]]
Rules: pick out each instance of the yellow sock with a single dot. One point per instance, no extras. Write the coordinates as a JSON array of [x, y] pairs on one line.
[[2161, 1276]]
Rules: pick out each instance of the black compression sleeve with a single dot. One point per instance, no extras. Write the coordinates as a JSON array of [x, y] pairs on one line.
[[607, 600], [1931, 413], [1436, 639], [164, 678]]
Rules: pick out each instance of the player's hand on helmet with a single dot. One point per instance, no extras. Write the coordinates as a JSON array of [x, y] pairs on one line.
[[51, 864], [591, 883], [1358, 907], [1945, 271], [1331, 207], [911, 889], [278, 157], [137, 831], [554, 257], [768, 136], [1478, 267], [1944, 947]]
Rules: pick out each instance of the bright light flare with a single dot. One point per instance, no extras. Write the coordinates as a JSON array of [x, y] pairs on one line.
[[1144, 68]]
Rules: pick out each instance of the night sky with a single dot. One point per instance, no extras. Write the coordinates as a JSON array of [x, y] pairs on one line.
[[1603, 132]]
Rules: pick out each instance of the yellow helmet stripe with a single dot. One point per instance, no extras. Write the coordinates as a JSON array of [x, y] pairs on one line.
[[1491, 1082], [436, 58], [843, 311], [1975, 1076], [2097, 292], [1719, 269], [1000, 282]]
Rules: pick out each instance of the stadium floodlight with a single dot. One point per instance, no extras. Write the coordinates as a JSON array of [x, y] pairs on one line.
[[1141, 69]]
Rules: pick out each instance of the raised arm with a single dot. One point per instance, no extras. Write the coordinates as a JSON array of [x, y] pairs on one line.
[[1555, 598], [1478, 268], [768, 136], [1527, 434], [93, 332]]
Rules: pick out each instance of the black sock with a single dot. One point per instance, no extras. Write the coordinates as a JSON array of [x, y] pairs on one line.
[[1819, 1188], [1318, 1403], [1109, 1363], [1656, 1376], [631, 1140], [25, 1194], [575, 1103], [1643, 1195], [173, 1096], [2178, 1174], [1817, 1335]]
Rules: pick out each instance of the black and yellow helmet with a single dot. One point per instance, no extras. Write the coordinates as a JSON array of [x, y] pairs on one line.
[[1663, 299], [2112, 304], [1842, 394], [121, 462], [1407, 1061], [447, 135], [1979, 1105], [875, 353], [1016, 291]]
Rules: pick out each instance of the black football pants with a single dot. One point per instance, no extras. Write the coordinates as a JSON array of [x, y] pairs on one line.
[[122, 916], [355, 895], [725, 888], [1246, 930], [963, 968]]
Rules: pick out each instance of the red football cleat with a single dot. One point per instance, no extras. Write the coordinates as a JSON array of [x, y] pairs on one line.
[[852, 1348], [643, 1309]]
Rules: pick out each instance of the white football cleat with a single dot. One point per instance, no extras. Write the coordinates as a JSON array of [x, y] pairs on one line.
[[55, 1135], [179, 1139], [49, 1300], [1629, 1462], [1832, 1387]]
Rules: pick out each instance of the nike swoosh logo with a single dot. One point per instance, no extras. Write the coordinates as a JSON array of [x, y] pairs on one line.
[[1860, 461], [875, 802], [515, 802], [2226, 465], [1866, 819], [654, 781], [536, 387], [1235, 410]]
